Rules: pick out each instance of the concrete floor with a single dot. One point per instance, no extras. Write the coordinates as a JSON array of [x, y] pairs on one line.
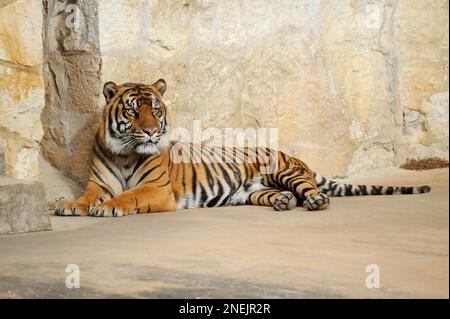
[[246, 252]]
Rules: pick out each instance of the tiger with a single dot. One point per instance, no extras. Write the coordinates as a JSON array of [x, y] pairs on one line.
[[135, 167]]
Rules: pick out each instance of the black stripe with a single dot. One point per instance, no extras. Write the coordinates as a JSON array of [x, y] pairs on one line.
[[98, 176], [306, 189], [407, 190], [214, 202], [203, 195], [104, 189], [156, 179], [348, 190], [297, 183], [105, 162], [322, 182], [208, 175], [146, 174], [194, 181], [138, 164], [376, 190], [167, 183], [269, 198], [332, 187], [226, 176], [363, 189], [425, 189]]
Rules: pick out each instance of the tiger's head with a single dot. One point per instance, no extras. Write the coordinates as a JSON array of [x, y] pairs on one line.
[[134, 118]]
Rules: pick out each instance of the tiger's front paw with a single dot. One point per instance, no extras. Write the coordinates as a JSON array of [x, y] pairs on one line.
[[110, 209], [318, 202], [72, 209]]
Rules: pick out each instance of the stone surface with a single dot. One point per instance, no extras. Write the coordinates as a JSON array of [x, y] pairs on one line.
[[23, 207], [27, 166], [436, 112], [58, 187], [337, 78], [341, 80], [246, 252], [2, 161], [421, 42], [426, 131], [21, 21], [21, 85], [72, 77], [371, 156]]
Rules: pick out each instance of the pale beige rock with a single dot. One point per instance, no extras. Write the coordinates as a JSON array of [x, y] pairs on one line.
[[427, 130], [421, 41], [21, 86], [334, 77], [367, 158], [414, 127], [436, 110], [2, 160], [350, 85], [23, 207], [22, 100], [112, 19], [20, 32], [58, 187], [421, 151], [72, 75], [27, 165]]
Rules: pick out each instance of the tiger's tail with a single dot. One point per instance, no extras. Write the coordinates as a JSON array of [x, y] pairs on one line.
[[335, 189]]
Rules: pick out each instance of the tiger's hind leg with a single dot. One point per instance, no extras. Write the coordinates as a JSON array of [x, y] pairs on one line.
[[304, 186], [279, 200]]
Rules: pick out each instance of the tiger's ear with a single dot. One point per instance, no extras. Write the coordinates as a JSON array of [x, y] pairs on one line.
[[109, 90], [160, 85]]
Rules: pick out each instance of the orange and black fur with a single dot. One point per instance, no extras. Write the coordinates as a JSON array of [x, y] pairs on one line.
[[134, 170]]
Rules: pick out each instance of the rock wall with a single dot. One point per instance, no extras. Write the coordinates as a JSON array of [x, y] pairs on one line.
[[421, 47], [72, 80], [21, 86], [351, 85]]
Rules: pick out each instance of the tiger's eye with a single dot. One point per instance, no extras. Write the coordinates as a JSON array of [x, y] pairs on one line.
[[155, 106]]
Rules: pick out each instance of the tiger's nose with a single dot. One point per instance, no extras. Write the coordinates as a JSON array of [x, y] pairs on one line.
[[150, 131]]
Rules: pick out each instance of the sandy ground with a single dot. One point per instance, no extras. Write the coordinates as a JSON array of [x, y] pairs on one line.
[[246, 252]]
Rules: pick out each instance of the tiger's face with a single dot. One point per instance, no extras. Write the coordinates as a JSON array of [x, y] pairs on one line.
[[135, 118]]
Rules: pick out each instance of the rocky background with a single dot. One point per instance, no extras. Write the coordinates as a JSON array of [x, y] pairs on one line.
[[351, 85]]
